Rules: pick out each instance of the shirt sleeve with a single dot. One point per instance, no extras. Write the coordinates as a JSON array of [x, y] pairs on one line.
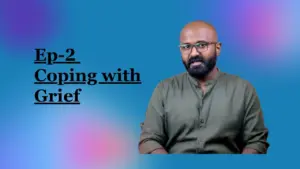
[[153, 134], [255, 133]]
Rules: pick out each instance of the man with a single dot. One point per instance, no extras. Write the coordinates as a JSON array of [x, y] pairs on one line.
[[204, 110]]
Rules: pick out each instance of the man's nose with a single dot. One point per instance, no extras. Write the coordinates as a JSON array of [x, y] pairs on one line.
[[194, 51]]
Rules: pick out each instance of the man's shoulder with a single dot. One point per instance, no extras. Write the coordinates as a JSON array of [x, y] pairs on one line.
[[235, 80], [173, 81], [232, 77], [176, 79]]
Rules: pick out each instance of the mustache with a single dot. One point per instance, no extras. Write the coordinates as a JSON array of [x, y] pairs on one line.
[[194, 59]]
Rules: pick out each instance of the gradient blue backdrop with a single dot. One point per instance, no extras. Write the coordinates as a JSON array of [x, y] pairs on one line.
[[260, 44]]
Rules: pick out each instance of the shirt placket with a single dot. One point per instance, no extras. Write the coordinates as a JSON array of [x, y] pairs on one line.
[[200, 145], [200, 120]]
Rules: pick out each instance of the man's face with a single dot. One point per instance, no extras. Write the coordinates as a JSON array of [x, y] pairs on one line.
[[199, 51]]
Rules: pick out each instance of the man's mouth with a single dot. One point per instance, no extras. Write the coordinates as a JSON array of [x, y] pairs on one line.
[[195, 64]]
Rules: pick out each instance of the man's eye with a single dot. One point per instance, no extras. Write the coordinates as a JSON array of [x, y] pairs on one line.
[[186, 46], [202, 45]]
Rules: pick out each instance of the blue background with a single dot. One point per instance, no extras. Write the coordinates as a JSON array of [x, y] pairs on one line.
[[259, 44]]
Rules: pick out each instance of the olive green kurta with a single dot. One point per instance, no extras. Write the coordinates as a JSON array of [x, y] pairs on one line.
[[225, 119]]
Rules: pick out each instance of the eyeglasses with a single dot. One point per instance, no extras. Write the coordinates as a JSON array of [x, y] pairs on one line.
[[200, 46]]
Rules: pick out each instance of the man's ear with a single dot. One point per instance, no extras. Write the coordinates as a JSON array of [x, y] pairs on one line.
[[218, 48]]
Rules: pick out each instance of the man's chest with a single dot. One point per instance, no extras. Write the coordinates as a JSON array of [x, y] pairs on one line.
[[220, 109]]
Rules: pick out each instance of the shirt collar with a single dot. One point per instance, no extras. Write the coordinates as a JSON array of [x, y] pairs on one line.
[[195, 81]]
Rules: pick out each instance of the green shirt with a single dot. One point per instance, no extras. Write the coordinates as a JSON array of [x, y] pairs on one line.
[[225, 119]]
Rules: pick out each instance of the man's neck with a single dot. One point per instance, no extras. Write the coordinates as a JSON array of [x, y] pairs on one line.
[[210, 76]]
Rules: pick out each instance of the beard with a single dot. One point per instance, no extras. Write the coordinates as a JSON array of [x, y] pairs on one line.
[[200, 71]]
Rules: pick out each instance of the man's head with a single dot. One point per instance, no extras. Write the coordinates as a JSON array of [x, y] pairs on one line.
[[199, 48]]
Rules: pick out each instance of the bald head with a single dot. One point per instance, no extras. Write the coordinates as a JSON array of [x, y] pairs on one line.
[[199, 48], [198, 31]]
